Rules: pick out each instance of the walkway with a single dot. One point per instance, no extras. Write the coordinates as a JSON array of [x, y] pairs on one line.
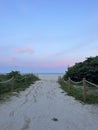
[[44, 106]]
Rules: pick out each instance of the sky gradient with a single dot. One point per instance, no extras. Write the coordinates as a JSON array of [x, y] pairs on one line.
[[47, 35]]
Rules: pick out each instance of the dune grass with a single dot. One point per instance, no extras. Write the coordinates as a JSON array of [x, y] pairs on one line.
[[7, 89], [77, 93]]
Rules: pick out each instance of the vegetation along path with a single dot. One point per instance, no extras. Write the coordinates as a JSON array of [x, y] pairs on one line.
[[43, 106]]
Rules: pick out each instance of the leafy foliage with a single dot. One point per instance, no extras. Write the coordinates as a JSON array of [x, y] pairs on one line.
[[87, 69]]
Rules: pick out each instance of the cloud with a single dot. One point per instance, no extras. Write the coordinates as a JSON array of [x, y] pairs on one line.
[[7, 60], [58, 63], [11, 59], [26, 50], [49, 64]]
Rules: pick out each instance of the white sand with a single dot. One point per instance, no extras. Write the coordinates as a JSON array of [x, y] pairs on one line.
[[35, 108]]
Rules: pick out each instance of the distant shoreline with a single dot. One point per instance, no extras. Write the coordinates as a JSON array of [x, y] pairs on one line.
[[49, 73]]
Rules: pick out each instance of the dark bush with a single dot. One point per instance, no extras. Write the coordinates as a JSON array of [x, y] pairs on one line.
[[87, 69]]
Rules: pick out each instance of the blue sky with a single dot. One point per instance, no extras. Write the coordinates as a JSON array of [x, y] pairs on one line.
[[47, 35]]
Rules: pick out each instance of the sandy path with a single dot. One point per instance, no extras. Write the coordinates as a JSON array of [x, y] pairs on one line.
[[35, 109]]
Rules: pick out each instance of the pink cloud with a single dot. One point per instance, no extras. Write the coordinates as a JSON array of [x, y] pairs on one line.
[[7, 60], [11, 59], [27, 50], [40, 63], [49, 64], [64, 62]]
